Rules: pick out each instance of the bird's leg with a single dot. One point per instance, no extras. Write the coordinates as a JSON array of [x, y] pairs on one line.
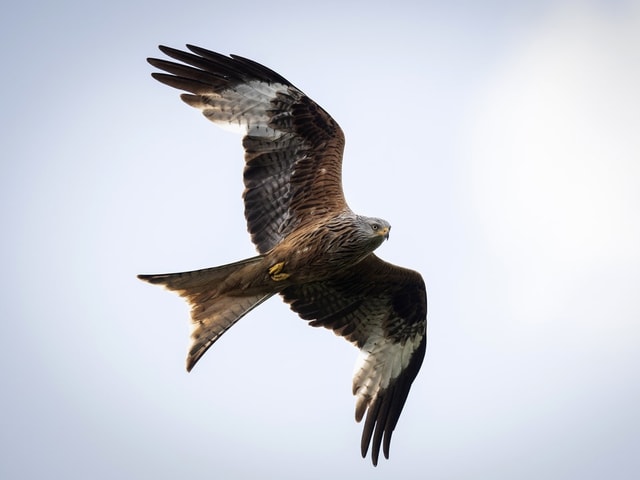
[[276, 272]]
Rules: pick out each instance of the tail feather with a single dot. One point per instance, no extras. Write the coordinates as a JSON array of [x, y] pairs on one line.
[[213, 310], [222, 314], [204, 278]]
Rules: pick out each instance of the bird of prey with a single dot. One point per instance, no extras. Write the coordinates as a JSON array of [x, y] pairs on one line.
[[313, 250]]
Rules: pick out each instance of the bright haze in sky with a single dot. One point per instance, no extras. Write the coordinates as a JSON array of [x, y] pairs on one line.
[[500, 140]]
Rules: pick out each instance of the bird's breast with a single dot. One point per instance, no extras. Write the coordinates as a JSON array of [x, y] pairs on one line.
[[315, 254]]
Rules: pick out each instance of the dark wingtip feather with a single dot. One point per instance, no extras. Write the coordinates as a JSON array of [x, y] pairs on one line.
[[169, 51], [208, 54], [387, 443], [383, 413], [367, 432]]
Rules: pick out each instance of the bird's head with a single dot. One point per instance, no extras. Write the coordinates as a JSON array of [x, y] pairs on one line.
[[375, 228]]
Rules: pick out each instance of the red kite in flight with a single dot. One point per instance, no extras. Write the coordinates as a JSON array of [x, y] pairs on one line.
[[313, 250]]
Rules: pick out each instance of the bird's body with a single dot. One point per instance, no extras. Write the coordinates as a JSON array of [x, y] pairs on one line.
[[305, 262], [313, 250]]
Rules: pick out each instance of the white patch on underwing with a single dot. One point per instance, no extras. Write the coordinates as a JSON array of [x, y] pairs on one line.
[[380, 361], [243, 108]]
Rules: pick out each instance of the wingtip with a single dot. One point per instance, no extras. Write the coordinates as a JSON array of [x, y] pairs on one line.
[[386, 444], [364, 449], [205, 53], [159, 76], [165, 49]]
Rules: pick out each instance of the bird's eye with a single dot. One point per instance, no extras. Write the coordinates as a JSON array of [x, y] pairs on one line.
[[375, 226]]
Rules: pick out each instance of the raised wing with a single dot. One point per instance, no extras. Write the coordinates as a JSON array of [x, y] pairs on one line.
[[382, 309], [293, 148]]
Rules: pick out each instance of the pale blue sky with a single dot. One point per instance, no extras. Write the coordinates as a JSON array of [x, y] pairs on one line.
[[500, 139]]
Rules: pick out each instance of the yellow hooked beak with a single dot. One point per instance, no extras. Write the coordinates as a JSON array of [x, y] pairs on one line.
[[384, 232]]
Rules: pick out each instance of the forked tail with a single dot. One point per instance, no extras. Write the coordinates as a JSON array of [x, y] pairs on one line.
[[213, 311]]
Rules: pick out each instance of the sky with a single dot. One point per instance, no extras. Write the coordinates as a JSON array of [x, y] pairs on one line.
[[500, 139]]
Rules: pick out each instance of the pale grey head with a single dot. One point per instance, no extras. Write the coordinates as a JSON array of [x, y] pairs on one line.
[[375, 230]]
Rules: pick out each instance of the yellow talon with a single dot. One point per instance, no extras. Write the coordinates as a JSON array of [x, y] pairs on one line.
[[276, 272], [276, 269]]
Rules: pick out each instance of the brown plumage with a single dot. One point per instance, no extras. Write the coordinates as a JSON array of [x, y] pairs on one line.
[[313, 250]]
